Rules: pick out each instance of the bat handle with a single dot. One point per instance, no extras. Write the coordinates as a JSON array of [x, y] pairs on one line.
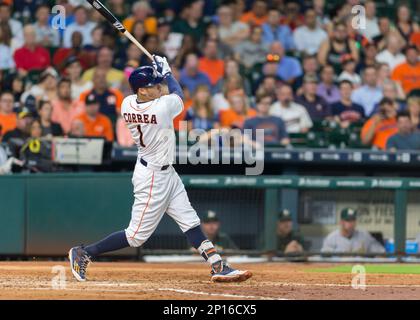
[[134, 40]]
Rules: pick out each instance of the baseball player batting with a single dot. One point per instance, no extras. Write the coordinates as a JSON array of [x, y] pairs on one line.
[[149, 114]]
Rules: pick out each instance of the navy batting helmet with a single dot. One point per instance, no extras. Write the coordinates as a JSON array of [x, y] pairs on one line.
[[144, 77]]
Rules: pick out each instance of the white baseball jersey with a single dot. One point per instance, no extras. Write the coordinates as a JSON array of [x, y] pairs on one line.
[[156, 191]]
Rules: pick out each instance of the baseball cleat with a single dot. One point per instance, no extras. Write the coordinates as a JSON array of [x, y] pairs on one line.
[[228, 274], [79, 261]]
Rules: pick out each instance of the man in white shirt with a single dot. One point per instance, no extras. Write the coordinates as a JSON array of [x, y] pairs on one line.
[[294, 115], [80, 24], [372, 27], [46, 35], [392, 54], [308, 38]]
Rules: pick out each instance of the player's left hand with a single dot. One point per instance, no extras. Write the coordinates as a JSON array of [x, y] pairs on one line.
[[161, 65]]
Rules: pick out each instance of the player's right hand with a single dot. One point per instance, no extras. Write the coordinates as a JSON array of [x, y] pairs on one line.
[[161, 65]]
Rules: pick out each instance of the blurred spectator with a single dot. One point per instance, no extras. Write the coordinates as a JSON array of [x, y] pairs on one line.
[[81, 24], [369, 57], [232, 84], [309, 37], [73, 71], [210, 64], [369, 94], [141, 12], [327, 88], [404, 22], [31, 56], [97, 34], [171, 41], [349, 72], [334, 49], [274, 128], [16, 138], [46, 35], [322, 17], [77, 129], [36, 152], [189, 45], [294, 115], [372, 28], [238, 112], [346, 111], [252, 51], [288, 68], [318, 109], [257, 15], [151, 44], [49, 128], [381, 125], [15, 84], [201, 115], [122, 132], [413, 108], [310, 66], [406, 138], [6, 55], [232, 70], [7, 116], [392, 54], [384, 31], [109, 99], [191, 22], [384, 77], [272, 31], [15, 25], [288, 240], [268, 86], [114, 77], [231, 32], [190, 75], [211, 228], [408, 73], [65, 110], [95, 124], [348, 239], [46, 89], [292, 16]]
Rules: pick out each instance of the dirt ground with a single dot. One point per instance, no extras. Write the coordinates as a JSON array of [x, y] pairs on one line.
[[118, 280]]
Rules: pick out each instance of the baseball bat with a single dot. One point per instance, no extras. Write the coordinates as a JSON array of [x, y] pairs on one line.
[[98, 6]]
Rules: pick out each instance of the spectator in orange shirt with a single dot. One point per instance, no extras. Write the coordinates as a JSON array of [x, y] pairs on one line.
[[95, 124], [408, 73], [257, 15], [65, 110], [381, 125], [210, 64], [239, 111], [140, 12], [7, 116]]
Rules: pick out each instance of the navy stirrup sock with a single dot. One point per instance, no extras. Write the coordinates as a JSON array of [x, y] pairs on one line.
[[115, 241], [195, 236]]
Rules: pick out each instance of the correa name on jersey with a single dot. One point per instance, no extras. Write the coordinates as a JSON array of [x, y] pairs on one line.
[[140, 118]]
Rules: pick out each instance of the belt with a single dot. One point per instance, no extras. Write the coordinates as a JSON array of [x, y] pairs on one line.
[[144, 162]]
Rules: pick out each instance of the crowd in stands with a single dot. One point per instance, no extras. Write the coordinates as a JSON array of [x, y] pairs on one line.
[[287, 66]]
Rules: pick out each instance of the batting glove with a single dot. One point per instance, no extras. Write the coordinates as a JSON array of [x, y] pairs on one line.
[[161, 65]]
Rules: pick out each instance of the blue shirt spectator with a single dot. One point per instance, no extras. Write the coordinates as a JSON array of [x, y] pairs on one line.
[[190, 76], [273, 31], [289, 69]]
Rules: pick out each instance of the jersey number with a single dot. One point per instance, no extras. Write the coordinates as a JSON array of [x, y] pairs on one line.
[[141, 136]]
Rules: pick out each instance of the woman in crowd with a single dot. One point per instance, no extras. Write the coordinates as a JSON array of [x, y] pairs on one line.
[[413, 108], [384, 75], [6, 55], [49, 128], [189, 45], [201, 115], [231, 84], [239, 111], [404, 24], [74, 72]]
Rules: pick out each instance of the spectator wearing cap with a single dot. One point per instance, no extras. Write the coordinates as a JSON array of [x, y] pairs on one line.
[[257, 15], [408, 73], [65, 109], [191, 22], [288, 68], [294, 115], [210, 64], [82, 25], [73, 71], [272, 31], [141, 12], [7, 116], [95, 124], [309, 37], [346, 111], [49, 128], [274, 128], [318, 109], [406, 138], [252, 51], [46, 35], [349, 72], [16, 138], [392, 54], [289, 241], [327, 88], [348, 239], [191, 76], [211, 228], [369, 94], [104, 60], [231, 32], [15, 25], [31, 56], [109, 99], [6, 54], [381, 125]]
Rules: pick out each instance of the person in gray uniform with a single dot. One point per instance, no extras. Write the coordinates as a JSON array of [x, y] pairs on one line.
[[347, 239]]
